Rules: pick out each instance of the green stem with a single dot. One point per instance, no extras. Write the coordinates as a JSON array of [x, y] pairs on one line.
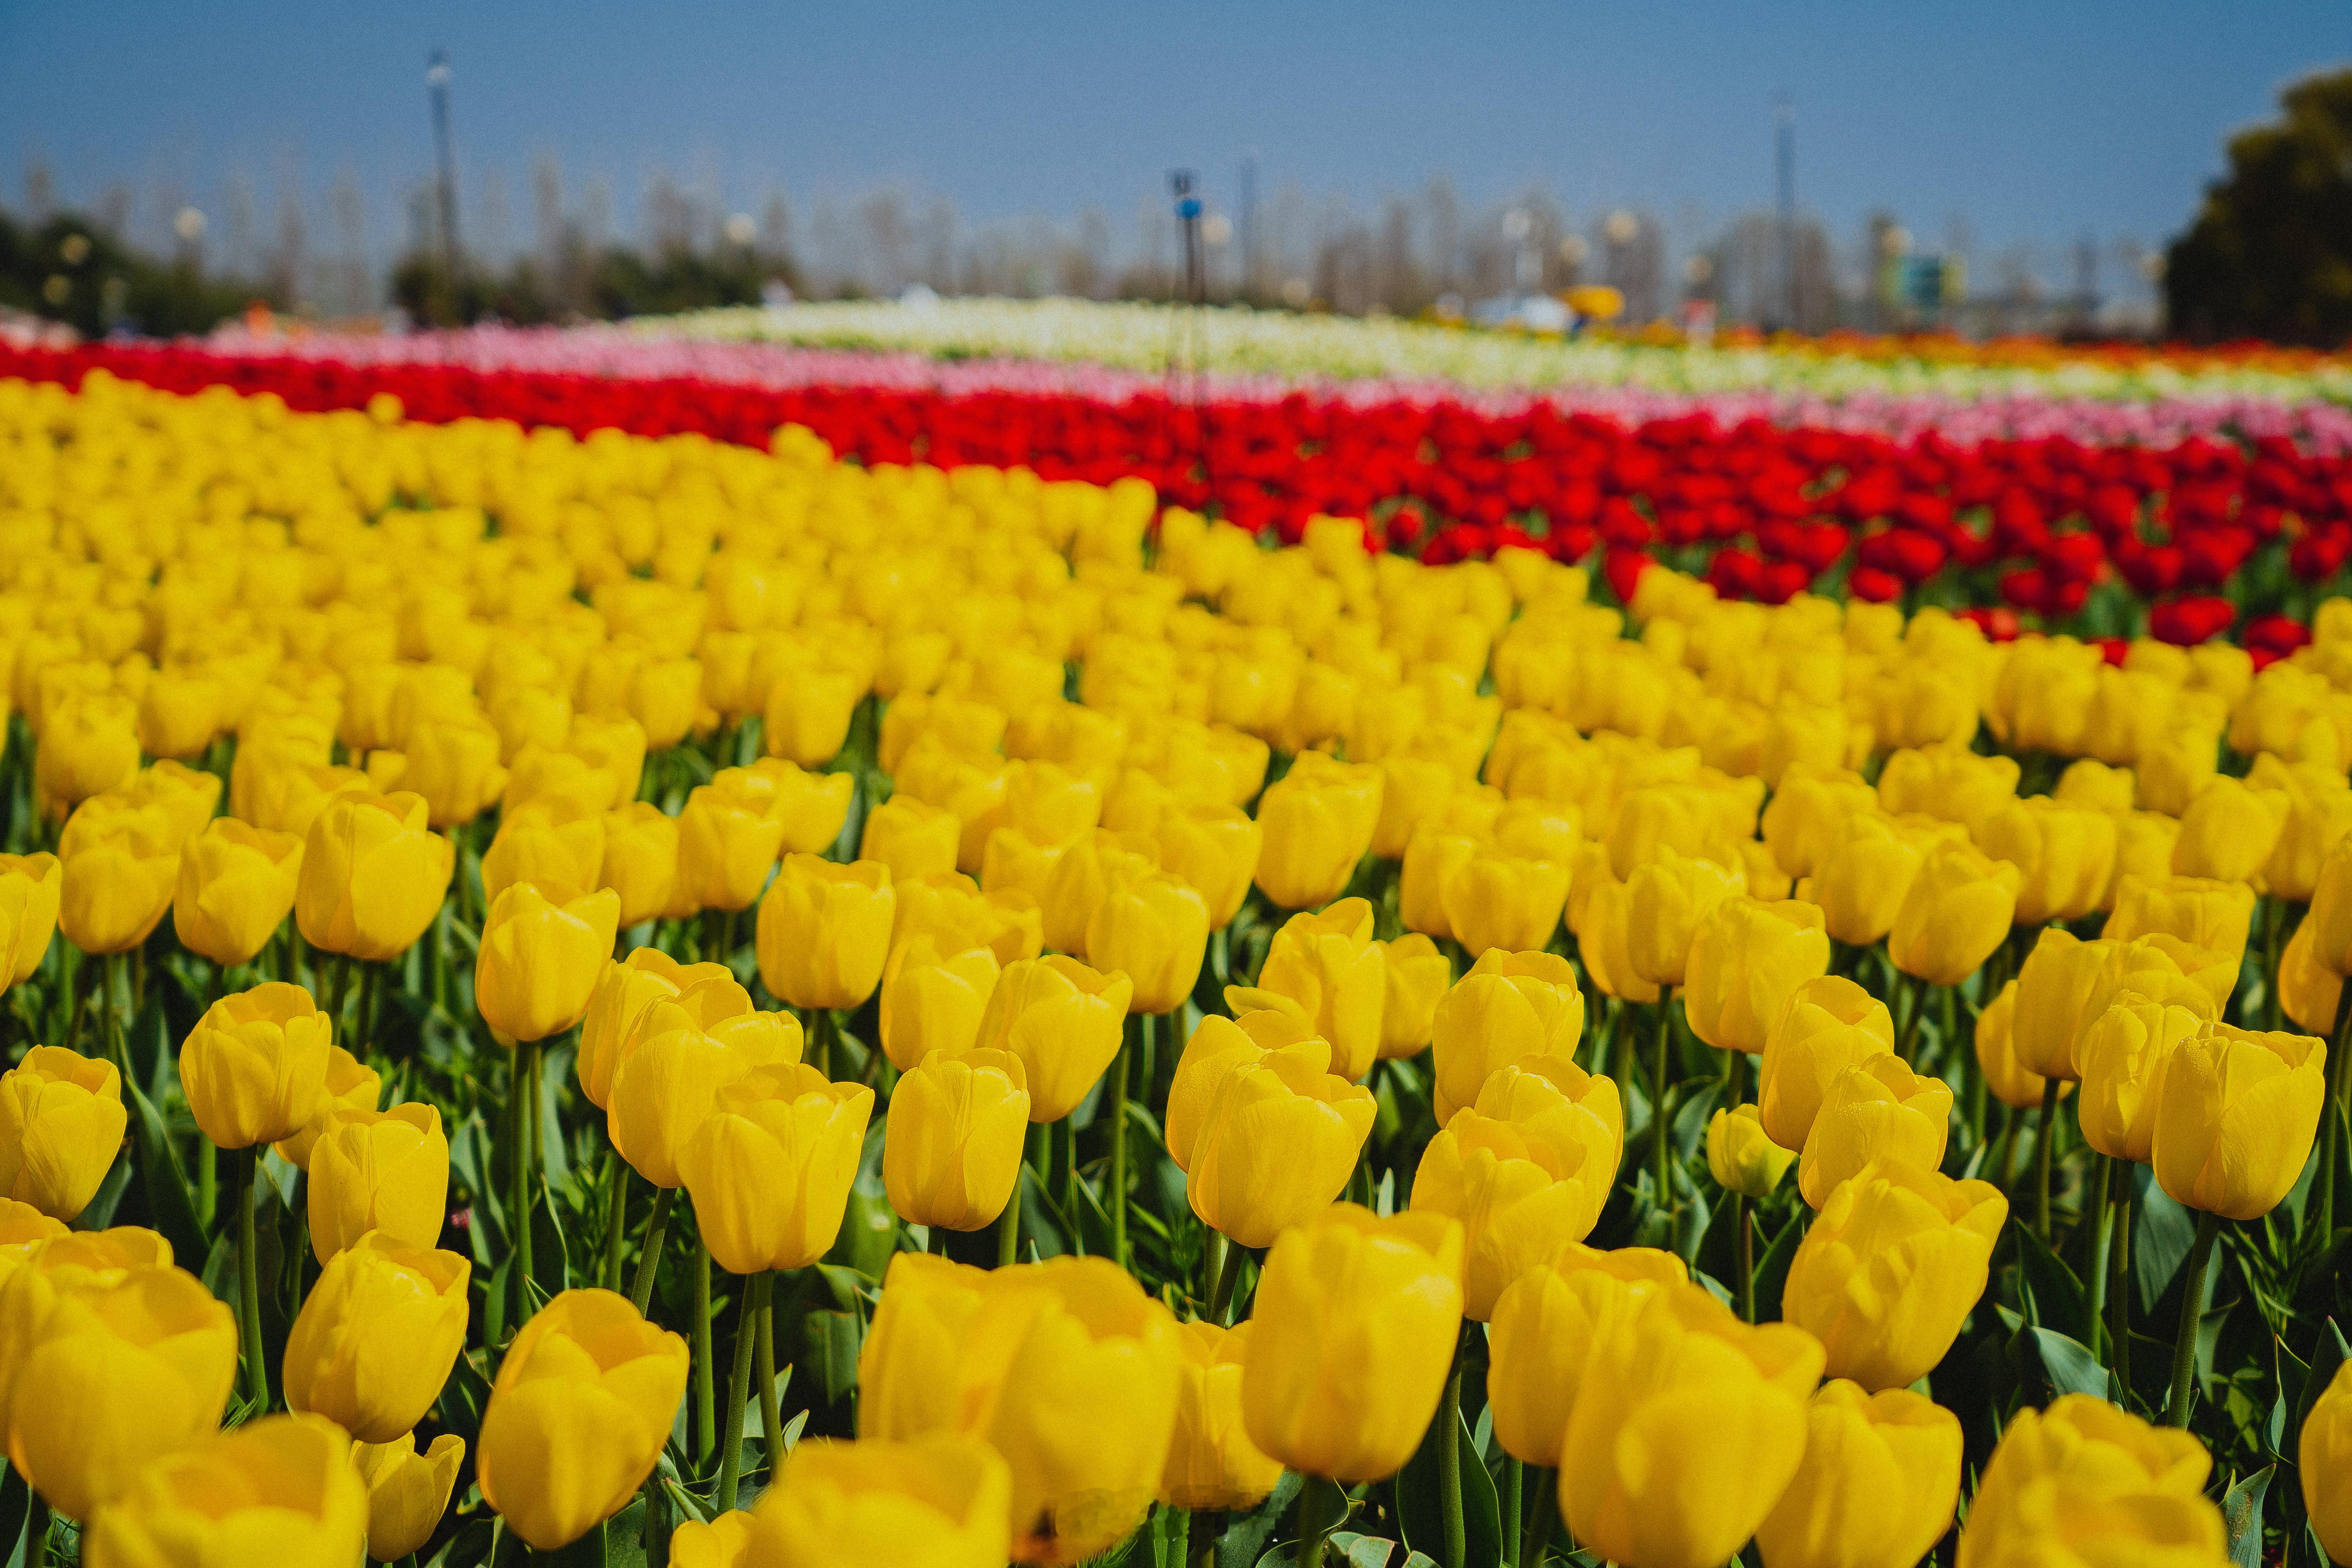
[[1515, 1477], [1545, 1507], [2192, 1311], [1008, 1224], [1315, 1521], [1228, 1276], [1734, 1079], [1661, 1126], [739, 1386], [820, 1040], [248, 1279], [1747, 1257], [1449, 1468], [207, 1183], [1908, 994], [641, 1290], [1119, 1145], [1070, 1169], [2119, 1290], [616, 1218], [772, 1399], [2274, 934], [2330, 1113], [706, 1395], [2042, 1158], [519, 1173], [2096, 1216]]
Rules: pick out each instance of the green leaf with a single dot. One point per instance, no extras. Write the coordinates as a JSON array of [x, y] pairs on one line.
[[1363, 1551], [2071, 1365], [1772, 1269], [2055, 1294], [2241, 1511], [168, 1198], [1246, 1535], [2328, 1355], [15, 1503], [2162, 1232], [830, 1344], [1421, 1516]]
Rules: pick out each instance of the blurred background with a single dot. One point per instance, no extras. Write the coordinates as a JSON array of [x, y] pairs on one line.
[[2158, 169]]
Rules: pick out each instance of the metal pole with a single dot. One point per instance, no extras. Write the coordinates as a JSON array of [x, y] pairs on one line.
[[1784, 125], [437, 77]]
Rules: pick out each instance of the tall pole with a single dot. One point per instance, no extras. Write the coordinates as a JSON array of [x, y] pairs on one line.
[[437, 77], [1784, 127]]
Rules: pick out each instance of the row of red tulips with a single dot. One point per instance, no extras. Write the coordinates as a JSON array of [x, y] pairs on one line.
[[2032, 525]]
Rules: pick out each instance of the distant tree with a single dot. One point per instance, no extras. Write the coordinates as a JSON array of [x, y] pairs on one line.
[[73, 269], [2270, 254]]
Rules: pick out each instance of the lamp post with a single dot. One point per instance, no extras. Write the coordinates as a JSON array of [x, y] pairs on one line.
[[436, 78]]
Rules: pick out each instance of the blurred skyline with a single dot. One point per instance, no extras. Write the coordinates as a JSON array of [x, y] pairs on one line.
[[2004, 129]]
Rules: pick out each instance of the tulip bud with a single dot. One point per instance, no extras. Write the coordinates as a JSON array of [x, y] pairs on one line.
[[942, 1501], [119, 878], [454, 763], [639, 862], [373, 876], [2065, 856], [2308, 989], [621, 1009], [1212, 1463], [386, 1171], [1864, 874], [280, 1490], [61, 1121], [236, 887], [1430, 861], [1741, 1157], [1416, 976], [1958, 910], [1603, 939], [808, 715], [2122, 1057], [1891, 1267], [1509, 1006], [1525, 1171], [1268, 1137], [1216, 848], [1087, 868], [1666, 898], [769, 1167], [1722, 1402], [665, 1087], [824, 931], [583, 1403], [1351, 1337], [407, 1492], [1064, 1021], [1880, 1110], [2083, 1482], [1879, 1484], [953, 1139], [1318, 822], [110, 1376], [539, 962], [2229, 831], [957, 917], [1326, 964], [1505, 901], [1746, 959], [377, 1336], [2214, 916], [2235, 1119], [911, 839], [932, 1006], [556, 847], [30, 888], [1950, 783], [88, 745], [1154, 930], [1545, 1325], [1809, 813], [1828, 1025], [255, 1066], [2007, 1079], [2052, 984]]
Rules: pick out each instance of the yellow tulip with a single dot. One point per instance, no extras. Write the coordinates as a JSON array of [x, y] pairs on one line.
[[1741, 1157], [407, 1492], [933, 1005], [1527, 1171], [2235, 1119], [824, 931], [1216, 848], [1064, 1021], [1327, 965], [255, 1066], [2082, 1481], [2008, 1080], [2211, 915], [1809, 813], [665, 1086], [2065, 856], [1719, 1407], [1496, 900], [1509, 1006], [236, 887], [281, 1489], [373, 876], [113, 1375], [2054, 984], [1879, 1110], [1864, 873], [1220, 1047], [1950, 783], [2308, 989], [1416, 976], [620, 1010], [1958, 910], [377, 1336], [2319, 814], [957, 916], [769, 1167], [2229, 831], [1212, 1463], [1351, 1336], [1680, 819], [386, 1171], [1603, 939], [953, 1139], [558, 848], [30, 889], [1543, 1331], [942, 1501], [2323, 1458], [1412, 789], [118, 880], [1318, 822], [1830, 1024], [1154, 930], [1430, 861], [539, 962], [639, 861], [1891, 1267], [454, 765], [61, 1123], [1746, 959], [89, 745], [1087, 868], [808, 714], [2122, 1057], [582, 1405], [1276, 1141], [1878, 1487], [1665, 899], [910, 837]]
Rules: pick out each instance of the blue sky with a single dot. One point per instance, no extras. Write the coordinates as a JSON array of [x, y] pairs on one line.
[[2036, 120]]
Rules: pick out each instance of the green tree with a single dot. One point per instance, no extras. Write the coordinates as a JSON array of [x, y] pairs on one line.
[[2270, 254]]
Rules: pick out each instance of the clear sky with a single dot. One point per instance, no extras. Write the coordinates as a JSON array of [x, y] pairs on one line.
[[2038, 120]]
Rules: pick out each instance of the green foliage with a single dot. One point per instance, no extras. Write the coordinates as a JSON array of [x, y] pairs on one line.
[[71, 269]]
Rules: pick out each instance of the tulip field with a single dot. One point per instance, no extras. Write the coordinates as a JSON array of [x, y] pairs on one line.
[[647, 946]]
